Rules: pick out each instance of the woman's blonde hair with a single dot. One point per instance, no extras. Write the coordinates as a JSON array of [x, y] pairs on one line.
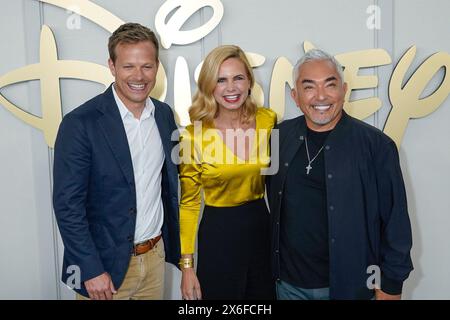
[[204, 107]]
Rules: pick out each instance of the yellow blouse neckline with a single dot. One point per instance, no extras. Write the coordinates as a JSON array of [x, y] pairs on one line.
[[255, 139]]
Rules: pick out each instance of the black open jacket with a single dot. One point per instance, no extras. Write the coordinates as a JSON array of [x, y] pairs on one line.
[[366, 202]]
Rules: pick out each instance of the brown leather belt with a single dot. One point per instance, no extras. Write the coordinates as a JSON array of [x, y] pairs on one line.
[[145, 246]]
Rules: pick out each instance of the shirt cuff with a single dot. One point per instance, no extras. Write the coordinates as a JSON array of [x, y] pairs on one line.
[[390, 286]]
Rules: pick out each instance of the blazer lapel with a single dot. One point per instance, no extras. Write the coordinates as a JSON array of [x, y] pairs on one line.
[[114, 131], [164, 131]]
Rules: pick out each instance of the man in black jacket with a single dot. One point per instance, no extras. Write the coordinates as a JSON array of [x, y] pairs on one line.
[[340, 221]]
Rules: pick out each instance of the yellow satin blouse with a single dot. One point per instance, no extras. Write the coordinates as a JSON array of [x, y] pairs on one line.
[[208, 164]]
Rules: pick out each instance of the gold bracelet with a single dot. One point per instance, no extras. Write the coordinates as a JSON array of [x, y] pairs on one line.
[[186, 263]]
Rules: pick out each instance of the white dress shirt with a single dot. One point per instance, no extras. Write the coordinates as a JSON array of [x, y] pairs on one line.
[[147, 155]]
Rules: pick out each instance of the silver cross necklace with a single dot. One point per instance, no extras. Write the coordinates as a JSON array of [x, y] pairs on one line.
[[308, 167]]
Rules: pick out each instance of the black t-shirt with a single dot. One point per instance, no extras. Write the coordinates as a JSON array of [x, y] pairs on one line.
[[304, 220]]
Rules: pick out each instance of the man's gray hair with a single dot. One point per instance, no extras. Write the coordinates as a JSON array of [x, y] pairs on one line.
[[314, 55]]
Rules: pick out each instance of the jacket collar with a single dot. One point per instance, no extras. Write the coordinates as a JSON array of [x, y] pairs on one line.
[[114, 132], [299, 129], [337, 133]]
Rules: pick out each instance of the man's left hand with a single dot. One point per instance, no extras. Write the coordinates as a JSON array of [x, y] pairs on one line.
[[380, 295]]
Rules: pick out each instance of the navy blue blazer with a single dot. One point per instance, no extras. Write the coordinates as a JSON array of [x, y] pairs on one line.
[[94, 194]]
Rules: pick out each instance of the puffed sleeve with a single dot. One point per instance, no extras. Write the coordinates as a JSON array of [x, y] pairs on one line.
[[190, 181]]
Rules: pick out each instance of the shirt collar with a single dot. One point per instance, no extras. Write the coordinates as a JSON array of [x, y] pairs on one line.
[[148, 111]]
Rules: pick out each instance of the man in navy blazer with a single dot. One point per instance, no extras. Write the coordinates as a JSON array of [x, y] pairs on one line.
[[115, 190]]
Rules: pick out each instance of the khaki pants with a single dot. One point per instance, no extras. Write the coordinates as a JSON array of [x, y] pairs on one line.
[[144, 279]]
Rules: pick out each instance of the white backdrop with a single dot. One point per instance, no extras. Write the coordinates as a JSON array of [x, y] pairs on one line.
[[30, 249]]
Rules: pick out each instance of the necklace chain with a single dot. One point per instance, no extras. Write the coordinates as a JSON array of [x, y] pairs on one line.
[[308, 167]]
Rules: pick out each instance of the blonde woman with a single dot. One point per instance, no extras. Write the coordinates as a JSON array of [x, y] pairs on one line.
[[224, 151]]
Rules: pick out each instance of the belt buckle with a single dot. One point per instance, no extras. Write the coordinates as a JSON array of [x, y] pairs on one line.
[[135, 253], [149, 242], [152, 243]]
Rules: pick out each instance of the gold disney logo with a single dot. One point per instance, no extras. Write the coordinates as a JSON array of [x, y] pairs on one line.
[[405, 99]]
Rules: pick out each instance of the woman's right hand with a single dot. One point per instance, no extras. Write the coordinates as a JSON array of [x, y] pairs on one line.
[[190, 287]]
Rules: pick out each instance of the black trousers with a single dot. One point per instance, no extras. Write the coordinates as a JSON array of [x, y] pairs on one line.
[[234, 253]]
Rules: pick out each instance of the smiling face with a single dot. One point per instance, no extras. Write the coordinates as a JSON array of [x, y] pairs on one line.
[[232, 85], [134, 71], [320, 94]]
